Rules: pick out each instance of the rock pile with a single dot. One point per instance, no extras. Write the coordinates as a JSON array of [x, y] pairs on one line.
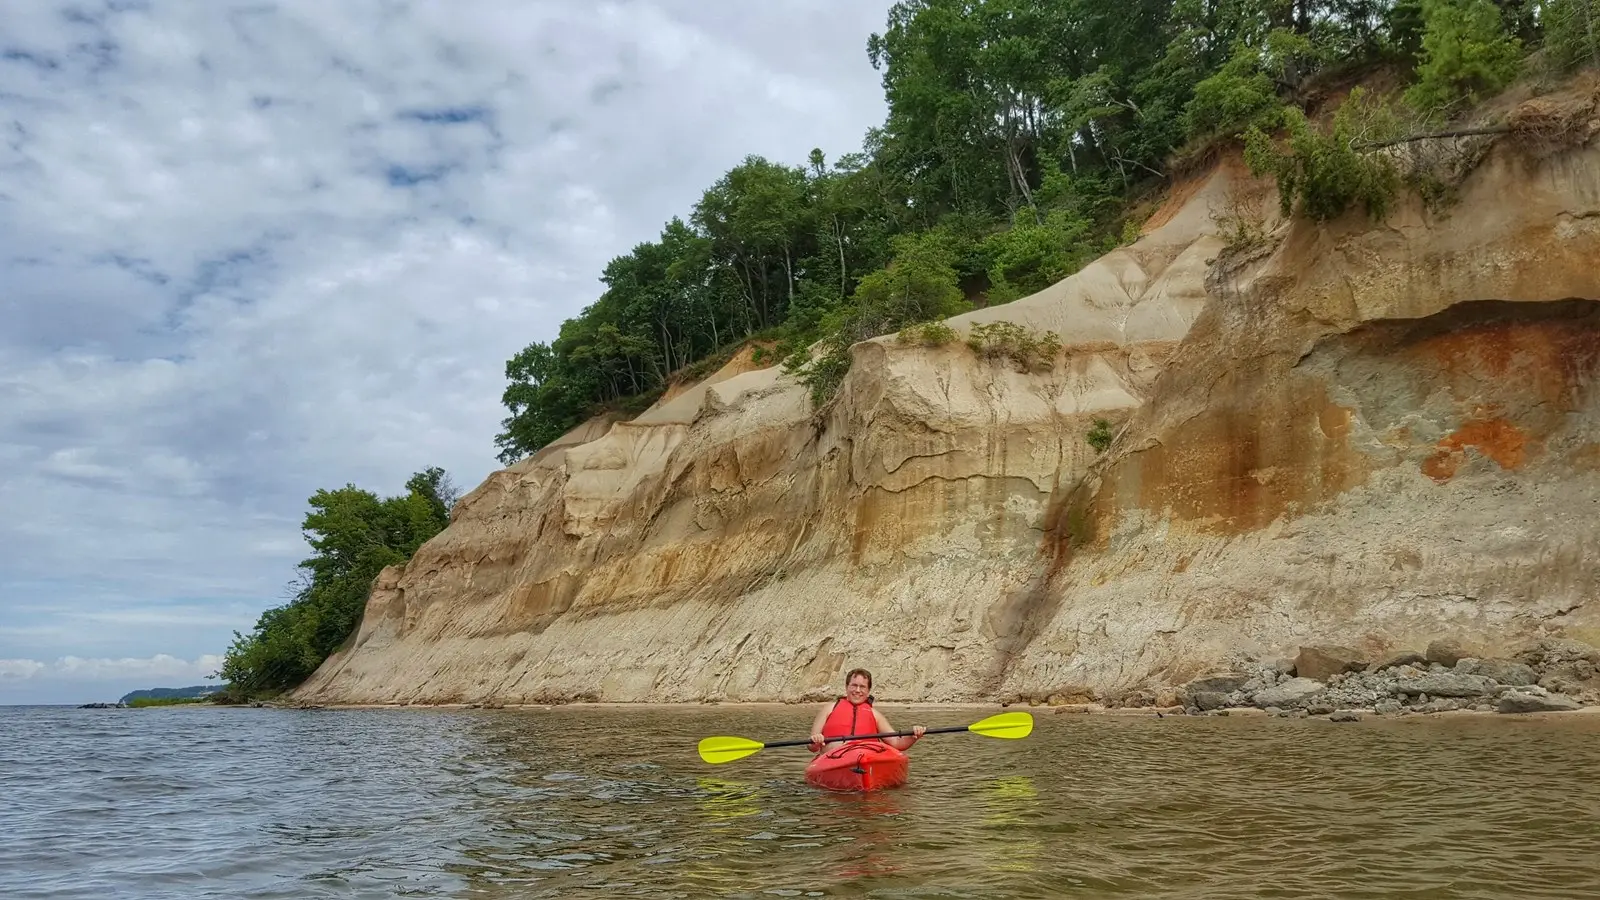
[[1553, 675]]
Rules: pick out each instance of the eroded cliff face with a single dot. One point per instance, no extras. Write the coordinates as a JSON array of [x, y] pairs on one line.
[[1368, 435]]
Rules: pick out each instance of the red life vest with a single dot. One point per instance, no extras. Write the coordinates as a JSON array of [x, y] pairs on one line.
[[846, 719]]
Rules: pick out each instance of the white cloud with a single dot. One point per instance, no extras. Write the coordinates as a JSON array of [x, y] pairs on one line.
[[76, 668], [249, 250], [75, 679], [18, 669]]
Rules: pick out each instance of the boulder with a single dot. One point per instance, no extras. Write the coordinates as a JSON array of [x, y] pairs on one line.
[[1386, 707], [1396, 660], [1345, 715], [1564, 665], [1293, 692], [1222, 683], [1321, 663], [1550, 652], [1445, 653], [1525, 702], [1209, 700], [1445, 684], [1560, 684], [1504, 671]]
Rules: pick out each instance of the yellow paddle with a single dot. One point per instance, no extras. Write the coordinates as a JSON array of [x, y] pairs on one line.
[[716, 750]]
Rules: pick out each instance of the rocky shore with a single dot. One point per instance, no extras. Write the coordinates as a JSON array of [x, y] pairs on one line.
[[1344, 684]]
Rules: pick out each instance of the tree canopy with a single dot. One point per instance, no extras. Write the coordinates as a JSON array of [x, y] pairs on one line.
[[353, 535], [1017, 133]]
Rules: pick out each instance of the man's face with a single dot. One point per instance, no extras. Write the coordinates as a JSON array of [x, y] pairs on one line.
[[857, 689]]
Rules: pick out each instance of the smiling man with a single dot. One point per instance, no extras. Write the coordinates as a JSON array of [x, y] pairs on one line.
[[854, 714]]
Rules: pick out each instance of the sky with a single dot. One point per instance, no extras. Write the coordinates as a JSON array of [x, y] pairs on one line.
[[253, 249]]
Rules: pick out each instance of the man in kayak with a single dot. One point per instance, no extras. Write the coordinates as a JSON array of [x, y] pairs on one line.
[[854, 714]]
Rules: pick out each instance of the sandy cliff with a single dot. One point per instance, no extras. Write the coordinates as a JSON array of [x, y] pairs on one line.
[[1359, 434]]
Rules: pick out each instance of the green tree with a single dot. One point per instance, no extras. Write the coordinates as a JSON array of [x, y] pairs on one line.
[[1032, 256], [759, 225], [1572, 33], [1321, 174], [353, 535], [1466, 55], [547, 396], [1017, 134], [919, 286]]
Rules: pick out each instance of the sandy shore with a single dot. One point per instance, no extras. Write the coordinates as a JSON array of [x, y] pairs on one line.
[[1588, 714]]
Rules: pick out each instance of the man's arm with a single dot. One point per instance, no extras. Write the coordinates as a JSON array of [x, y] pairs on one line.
[[899, 743], [816, 727]]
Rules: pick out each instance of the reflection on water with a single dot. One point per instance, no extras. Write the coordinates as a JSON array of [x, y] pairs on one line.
[[1009, 804], [615, 803]]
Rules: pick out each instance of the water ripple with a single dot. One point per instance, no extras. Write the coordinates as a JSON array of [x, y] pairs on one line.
[[614, 803]]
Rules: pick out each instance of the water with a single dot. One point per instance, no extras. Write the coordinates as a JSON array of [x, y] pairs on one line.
[[606, 802]]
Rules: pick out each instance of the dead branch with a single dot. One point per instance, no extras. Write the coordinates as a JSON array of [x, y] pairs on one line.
[[1432, 135]]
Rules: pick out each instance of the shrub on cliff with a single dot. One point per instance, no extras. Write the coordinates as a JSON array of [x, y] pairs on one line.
[[927, 334], [1037, 252], [1026, 348], [353, 535], [1100, 436], [1320, 173], [918, 286]]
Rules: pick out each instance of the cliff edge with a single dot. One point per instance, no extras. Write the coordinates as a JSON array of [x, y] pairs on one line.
[[1355, 434]]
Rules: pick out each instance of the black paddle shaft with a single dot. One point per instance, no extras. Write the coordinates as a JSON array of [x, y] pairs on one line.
[[868, 737]]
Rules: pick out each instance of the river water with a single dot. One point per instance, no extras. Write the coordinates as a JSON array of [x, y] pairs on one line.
[[614, 802]]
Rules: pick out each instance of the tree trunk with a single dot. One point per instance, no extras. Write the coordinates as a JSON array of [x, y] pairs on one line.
[[1431, 135], [788, 272], [666, 347], [1019, 176], [750, 286], [838, 238], [766, 297]]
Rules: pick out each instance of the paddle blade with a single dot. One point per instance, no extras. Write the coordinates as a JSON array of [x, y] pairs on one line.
[[1004, 725], [716, 750]]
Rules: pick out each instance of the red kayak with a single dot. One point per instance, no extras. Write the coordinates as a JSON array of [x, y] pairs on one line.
[[859, 766]]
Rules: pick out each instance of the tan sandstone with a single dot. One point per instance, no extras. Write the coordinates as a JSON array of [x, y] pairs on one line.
[[1363, 435]]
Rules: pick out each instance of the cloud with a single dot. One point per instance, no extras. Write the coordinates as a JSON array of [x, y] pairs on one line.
[[73, 668], [75, 679], [250, 250], [19, 669]]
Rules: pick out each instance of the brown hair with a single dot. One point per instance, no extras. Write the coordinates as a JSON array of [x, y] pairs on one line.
[[854, 672]]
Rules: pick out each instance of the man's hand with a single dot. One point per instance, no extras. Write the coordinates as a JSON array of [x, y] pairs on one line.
[[816, 741], [918, 730]]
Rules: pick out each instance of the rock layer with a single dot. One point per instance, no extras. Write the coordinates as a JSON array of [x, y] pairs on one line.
[[1361, 436]]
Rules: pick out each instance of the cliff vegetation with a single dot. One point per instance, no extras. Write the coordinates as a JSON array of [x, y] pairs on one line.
[[1024, 138]]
